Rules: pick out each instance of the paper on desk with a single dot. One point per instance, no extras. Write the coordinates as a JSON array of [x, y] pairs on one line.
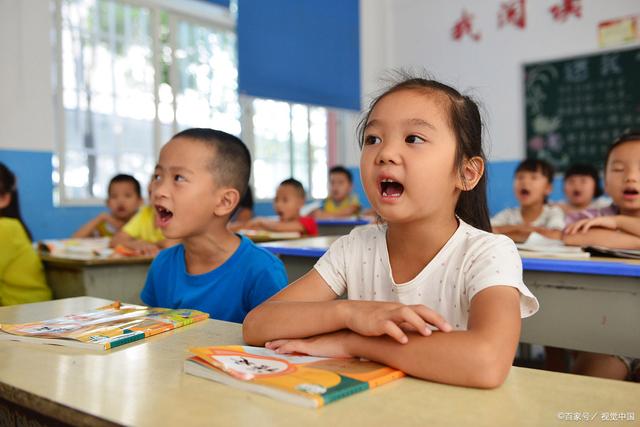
[[541, 245]]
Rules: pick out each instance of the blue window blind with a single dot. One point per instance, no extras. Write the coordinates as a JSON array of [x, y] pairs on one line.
[[305, 51]]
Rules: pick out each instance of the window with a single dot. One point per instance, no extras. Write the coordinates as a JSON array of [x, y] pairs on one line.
[[129, 76], [289, 140]]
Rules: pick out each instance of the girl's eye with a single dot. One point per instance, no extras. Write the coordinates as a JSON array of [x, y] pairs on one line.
[[155, 177], [178, 178], [414, 139], [371, 140]]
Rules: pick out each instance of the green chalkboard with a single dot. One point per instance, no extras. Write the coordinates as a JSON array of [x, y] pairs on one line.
[[575, 107]]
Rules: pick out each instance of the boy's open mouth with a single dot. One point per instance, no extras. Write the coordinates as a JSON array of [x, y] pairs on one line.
[[164, 215], [391, 188], [576, 193], [525, 192], [630, 193]]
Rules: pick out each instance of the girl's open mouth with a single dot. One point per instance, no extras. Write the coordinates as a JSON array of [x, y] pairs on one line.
[[163, 216], [630, 193], [390, 188]]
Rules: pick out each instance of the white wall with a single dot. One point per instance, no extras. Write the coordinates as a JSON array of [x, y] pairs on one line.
[[26, 100], [417, 33]]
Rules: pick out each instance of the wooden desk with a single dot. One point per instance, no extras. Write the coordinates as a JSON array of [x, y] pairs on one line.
[[339, 226], [586, 304], [142, 384], [112, 278]]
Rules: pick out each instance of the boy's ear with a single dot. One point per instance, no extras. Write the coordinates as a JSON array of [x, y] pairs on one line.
[[470, 173], [5, 200], [228, 199]]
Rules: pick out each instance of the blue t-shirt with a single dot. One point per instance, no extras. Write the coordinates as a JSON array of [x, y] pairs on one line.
[[250, 276]]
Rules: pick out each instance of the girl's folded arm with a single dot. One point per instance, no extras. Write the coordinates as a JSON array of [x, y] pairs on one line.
[[478, 357], [603, 237], [305, 308]]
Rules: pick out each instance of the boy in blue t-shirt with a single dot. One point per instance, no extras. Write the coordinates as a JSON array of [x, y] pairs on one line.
[[199, 179]]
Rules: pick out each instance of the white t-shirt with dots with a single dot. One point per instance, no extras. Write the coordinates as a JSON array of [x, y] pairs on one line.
[[469, 262]]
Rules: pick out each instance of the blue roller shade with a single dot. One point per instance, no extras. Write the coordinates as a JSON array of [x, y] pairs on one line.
[[304, 51]]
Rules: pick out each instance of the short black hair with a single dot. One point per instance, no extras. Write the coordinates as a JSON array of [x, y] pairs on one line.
[[627, 136], [125, 178], [297, 185], [585, 169], [232, 163], [537, 165], [341, 169]]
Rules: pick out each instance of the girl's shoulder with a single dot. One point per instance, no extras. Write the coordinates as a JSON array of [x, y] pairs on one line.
[[475, 241], [360, 236]]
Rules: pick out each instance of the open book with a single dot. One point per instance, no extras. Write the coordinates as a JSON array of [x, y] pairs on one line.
[[612, 252], [86, 248], [103, 328], [268, 236], [539, 245], [302, 380]]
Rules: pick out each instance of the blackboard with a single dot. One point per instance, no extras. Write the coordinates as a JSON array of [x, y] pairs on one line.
[[575, 107]]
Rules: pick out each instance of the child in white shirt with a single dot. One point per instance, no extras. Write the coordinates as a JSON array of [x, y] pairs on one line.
[[429, 292]]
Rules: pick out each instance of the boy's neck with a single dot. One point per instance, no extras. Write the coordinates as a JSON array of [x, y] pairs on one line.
[[531, 212], [209, 251]]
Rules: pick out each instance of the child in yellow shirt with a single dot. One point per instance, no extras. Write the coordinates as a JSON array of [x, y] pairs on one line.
[[124, 200], [341, 202], [22, 277]]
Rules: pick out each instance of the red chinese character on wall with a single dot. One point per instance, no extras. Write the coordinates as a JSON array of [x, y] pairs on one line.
[[512, 12], [563, 10], [464, 26]]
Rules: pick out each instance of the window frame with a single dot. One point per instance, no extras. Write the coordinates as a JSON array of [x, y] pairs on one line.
[[217, 18]]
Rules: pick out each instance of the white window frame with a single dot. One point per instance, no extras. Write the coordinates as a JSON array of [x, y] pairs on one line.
[[196, 12]]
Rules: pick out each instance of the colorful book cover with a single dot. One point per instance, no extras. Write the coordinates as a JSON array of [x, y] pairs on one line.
[[103, 328], [303, 380]]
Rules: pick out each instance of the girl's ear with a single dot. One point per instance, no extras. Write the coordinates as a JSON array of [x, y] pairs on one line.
[[228, 199], [5, 200], [470, 173]]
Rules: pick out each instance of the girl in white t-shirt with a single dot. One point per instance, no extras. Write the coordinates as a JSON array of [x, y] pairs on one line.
[[430, 291]]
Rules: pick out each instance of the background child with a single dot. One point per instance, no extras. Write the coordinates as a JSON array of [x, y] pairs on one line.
[[341, 202], [532, 185], [22, 277], [141, 235], [197, 185], [581, 187], [290, 197], [616, 226], [125, 198], [429, 266]]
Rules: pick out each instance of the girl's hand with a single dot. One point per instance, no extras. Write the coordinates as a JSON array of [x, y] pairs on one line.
[[326, 345], [583, 225], [372, 318]]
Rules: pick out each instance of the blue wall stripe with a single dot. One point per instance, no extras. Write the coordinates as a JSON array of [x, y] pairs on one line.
[[224, 3], [300, 51], [33, 171]]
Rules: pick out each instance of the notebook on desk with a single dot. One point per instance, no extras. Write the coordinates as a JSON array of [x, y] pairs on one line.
[[538, 245], [302, 380], [611, 252], [104, 328]]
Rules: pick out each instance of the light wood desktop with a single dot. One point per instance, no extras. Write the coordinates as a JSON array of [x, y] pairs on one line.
[[142, 384], [116, 278], [585, 304]]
